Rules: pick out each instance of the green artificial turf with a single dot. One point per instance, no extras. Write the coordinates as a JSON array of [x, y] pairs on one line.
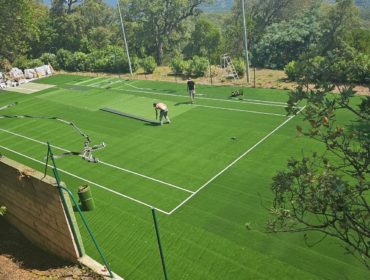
[[197, 157]]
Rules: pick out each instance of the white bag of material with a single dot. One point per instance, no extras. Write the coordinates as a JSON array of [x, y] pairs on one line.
[[30, 73], [40, 71], [48, 69], [2, 78], [16, 74]]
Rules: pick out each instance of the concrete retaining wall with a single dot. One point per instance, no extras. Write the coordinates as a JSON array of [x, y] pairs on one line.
[[35, 208]]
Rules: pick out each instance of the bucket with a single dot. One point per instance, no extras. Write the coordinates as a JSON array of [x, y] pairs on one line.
[[84, 194]]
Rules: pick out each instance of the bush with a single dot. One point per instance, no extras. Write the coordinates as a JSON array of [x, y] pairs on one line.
[[178, 66], [50, 58], [33, 63], [148, 64], [2, 210], [198, 66], [5, 65], [111, 59], [239, 65], [21, 62], [291, 70], [62, 57], [77, 62]]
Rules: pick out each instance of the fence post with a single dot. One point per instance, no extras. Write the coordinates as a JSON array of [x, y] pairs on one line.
[[159, 244]]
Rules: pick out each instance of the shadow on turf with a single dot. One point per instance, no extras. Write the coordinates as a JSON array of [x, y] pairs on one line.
[[183, 103], [151, 124]]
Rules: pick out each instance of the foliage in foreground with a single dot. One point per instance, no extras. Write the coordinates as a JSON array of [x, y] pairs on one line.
[[328, 193], [2, 210]]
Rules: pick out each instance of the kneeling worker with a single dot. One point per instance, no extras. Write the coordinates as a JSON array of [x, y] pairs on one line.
[[163, 112]]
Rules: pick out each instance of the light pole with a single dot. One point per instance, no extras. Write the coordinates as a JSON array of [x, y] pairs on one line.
[[245, 43], [124, 37]]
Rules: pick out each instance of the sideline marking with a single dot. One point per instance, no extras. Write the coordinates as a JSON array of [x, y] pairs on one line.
[[252, 101], [88, 80], [239, 110], [202, 98], [86, 180], [247, 99], [235, 161], [104, 163]]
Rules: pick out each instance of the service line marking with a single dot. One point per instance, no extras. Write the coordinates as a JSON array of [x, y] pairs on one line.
[[102, 162], [245, 100], [87, 181], [251, 101], [239, 110], [235, 161]]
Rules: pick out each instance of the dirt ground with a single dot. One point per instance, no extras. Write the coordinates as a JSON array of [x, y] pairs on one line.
[[261, 78], [20, 260]]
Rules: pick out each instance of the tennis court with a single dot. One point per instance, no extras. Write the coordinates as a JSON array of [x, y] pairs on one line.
[[207, 173]]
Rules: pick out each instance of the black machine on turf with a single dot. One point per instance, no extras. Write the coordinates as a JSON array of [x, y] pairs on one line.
[[86, 153], [237, 93]]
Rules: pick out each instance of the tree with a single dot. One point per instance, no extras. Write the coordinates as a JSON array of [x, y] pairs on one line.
[[205, 40], [287, 40], [17, 27], [259, 15], [338, 20], [57, 6], [328, 192], [160, 20]]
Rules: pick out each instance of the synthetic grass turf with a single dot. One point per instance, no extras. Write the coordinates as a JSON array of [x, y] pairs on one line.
[[206, 237]]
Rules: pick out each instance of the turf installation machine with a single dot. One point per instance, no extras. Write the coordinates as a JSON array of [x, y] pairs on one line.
[[86, 152]]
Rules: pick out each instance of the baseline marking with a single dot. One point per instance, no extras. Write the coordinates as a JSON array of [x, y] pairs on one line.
[[87, 181], [88, 80], [235, 161], [259, 102], [104, 163], [247, 99], [240, 110]]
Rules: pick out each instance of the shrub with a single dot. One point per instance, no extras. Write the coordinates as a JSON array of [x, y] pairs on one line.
[[198, 66], [2, 210], [33, 63], [21, 62], [77, 62], [178, 66], [239, 65], [50, 58], [148, 64], [5, 65], [291, 70], [62, 57]]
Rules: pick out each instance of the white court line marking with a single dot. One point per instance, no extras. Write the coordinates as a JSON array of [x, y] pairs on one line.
[[240, 110], [87, 181], [100, 82], [201, 98], [235, 161], [244, 100], [102, 162], [85, 81]]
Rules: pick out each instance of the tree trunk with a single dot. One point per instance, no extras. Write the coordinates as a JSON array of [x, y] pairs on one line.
[[159, 57]]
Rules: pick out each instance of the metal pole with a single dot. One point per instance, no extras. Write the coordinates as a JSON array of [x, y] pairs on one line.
[[245, 43], [210, 69], [159, 244], [60, 188], [124, 37]]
